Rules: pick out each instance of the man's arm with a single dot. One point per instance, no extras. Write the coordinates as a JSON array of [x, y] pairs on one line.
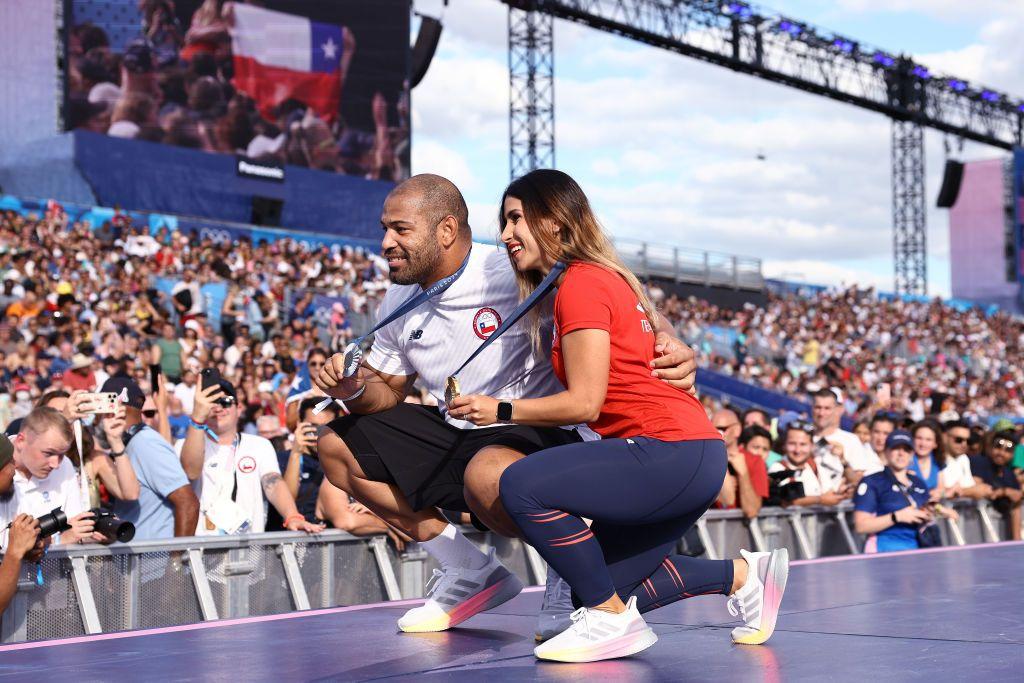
[[749, 501], [382, 390], [675, 363], [277, 493], [186, 510], [193, 451]]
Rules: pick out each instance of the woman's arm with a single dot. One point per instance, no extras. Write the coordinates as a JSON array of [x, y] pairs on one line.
[[117, 474], [587, 357]]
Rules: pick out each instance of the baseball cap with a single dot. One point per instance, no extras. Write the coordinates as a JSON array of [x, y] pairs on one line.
[[6, 450], [132, 392], [1003, 424], [900, 439], [80, 361]]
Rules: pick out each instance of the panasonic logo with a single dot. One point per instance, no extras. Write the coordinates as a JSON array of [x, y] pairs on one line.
[[256, 170]]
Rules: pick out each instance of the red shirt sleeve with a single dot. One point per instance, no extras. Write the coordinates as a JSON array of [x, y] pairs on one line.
[[585, 301], [758, 474]]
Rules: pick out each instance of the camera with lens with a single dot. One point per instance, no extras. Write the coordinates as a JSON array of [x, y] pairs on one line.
[[112, 527], [53, 522], [783, 487]]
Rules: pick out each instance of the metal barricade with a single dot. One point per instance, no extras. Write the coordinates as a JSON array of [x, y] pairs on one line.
[[92, 589]]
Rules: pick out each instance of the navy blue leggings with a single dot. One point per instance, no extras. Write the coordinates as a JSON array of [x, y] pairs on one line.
[[642, 495]]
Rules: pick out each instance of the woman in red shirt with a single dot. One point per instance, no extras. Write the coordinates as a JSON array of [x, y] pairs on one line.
[[658, 467]]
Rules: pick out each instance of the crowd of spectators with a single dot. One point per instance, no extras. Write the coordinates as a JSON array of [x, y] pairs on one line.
[[82, 312], [918, 358], [173, 84]]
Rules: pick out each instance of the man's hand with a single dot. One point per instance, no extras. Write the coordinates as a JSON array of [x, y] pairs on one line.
[[24, 537], [305, 438], [832, 498], [675, 363], [738, 461], [204, 402], [83, 527], [480, 410], [332, 381], [160, 399], [297, 524]]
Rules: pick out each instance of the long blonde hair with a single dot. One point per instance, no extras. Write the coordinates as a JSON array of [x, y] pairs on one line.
[[552, 197]]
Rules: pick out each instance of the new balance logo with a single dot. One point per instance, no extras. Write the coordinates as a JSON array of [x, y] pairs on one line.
[[416, 334]]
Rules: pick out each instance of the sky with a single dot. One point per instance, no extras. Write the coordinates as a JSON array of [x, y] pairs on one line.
[[667, 147]]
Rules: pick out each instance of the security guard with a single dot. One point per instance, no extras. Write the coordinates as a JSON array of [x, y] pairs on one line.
[[891, 505]]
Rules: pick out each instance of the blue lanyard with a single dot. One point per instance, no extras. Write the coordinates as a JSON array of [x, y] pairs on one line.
[[354, 353], [545, 286], [417, 299]]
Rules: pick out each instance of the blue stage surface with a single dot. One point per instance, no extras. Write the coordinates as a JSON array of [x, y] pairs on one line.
[[941, 615]]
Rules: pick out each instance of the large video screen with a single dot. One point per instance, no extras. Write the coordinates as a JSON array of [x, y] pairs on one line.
[[316, 83]]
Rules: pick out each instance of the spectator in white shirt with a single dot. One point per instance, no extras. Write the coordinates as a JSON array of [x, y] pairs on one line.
[[798, 459], [844, 459], [232, 472], [957, 473], [185, 391], [45, 479]]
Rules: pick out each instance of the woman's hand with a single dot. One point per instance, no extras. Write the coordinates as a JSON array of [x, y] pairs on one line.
[[912, 515], [480, 410]]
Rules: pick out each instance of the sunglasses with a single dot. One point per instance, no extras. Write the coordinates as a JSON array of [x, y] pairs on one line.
[[149, 413], [1003, 443], [722, 428], [959, 439], [316, 365], [226, 402], [801, 426]]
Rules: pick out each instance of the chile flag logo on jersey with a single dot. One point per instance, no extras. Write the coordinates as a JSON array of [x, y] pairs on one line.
[[485, 322]]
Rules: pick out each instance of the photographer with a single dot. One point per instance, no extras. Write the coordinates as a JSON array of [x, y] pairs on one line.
[[233, 471], [166, 505], [796, 475], [24, 543], [45, 479], [892, 506]]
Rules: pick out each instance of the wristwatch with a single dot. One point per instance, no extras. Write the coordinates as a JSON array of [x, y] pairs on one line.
[[893, 516], [115, 454], [505, 411]]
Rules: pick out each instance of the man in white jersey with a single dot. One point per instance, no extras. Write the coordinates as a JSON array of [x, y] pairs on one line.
[[404, 461]]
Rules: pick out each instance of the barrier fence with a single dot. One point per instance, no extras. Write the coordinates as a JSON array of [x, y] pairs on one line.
[[78, 590]]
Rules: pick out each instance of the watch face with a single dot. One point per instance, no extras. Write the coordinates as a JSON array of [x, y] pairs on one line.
[[504, 411]]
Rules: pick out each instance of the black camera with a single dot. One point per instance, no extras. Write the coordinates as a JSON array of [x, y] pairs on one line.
[[114, 528], [54, 522], [780, 490]]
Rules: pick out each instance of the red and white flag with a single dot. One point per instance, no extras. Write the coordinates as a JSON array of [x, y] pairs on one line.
[[278, 56]]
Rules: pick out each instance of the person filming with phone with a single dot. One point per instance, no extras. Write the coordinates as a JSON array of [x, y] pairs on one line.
[[232, 472]]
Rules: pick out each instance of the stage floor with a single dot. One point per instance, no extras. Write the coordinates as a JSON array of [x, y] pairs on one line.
[[946, 614]]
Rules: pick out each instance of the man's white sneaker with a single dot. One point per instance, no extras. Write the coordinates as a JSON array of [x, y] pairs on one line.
[[457, 593], [596, 635], [556, 608], [757, 601]]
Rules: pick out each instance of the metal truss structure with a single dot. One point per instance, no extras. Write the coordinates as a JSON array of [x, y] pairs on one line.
[[762, 43], [531, 71]]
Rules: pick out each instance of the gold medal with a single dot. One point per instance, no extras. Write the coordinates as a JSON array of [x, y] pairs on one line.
[[451, 391]]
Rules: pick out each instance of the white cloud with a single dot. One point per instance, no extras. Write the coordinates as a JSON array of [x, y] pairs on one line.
[[667, 147]]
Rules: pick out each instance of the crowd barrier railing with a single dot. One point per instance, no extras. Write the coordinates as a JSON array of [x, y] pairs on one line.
[[80, 590]]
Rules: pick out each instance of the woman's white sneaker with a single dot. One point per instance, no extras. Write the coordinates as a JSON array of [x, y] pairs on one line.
[[596, 635], [457, 593], [757, 601]]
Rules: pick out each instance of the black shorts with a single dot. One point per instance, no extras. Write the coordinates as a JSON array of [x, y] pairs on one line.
[[412, 447]]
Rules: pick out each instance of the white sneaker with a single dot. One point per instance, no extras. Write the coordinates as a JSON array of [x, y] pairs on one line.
[[757, 601], [457, 593], [556, 608], [596, 635]]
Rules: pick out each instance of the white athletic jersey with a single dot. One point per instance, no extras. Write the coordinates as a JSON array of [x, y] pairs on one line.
[[435, 338]]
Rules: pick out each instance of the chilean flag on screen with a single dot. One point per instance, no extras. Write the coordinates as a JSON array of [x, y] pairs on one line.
[[279, 56]]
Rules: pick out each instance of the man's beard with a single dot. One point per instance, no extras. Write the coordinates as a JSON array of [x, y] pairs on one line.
[[417, 268]]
